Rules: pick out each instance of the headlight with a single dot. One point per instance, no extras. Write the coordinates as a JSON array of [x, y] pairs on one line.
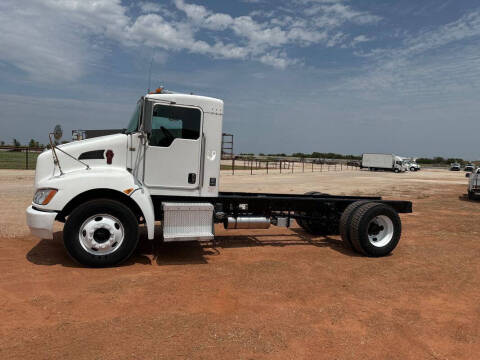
[[43, 196]]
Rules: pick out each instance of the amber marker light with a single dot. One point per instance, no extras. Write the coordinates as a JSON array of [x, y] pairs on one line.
[[43, 196]]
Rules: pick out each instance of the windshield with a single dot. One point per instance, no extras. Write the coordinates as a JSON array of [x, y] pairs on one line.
[[134, 120]]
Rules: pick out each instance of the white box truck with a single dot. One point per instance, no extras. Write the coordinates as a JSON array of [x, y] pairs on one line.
[[165, 167], [390, 162]]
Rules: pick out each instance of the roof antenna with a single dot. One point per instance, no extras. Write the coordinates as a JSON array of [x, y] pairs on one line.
[[150, 75]]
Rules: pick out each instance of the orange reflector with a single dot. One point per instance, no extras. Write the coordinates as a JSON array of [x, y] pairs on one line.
[[159, 90], [49, 197], [128, 191]]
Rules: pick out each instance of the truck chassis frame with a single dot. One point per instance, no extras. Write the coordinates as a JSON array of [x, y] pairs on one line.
[[289, 205]]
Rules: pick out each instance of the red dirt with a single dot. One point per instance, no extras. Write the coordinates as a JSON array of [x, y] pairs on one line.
[[261, 294]]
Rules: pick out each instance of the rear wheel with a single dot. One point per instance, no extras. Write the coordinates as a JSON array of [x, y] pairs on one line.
[[375, 229], [101, 233], [345, 222]]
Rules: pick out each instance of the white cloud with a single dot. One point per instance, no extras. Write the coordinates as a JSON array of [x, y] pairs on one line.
[[56, 40], [32, 43], [149, 7], [359, 39], [278, 60], [338, 13], [429, 64]]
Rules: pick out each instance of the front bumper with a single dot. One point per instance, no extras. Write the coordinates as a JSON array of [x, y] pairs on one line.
[[41, 222]]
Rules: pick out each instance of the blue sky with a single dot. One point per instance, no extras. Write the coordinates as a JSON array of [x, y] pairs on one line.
[[301, 75]]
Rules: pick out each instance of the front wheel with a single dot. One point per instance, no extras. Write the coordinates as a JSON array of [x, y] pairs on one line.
[[375, 229], [101, 233]]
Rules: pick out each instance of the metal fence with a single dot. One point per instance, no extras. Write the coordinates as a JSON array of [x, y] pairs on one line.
[[262, 165], [19, 157]]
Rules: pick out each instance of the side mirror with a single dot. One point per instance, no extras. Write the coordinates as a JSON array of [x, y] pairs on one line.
[[147, 117], [467, 175]]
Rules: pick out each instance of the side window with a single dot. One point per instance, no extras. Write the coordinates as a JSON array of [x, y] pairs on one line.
[[173, 122]]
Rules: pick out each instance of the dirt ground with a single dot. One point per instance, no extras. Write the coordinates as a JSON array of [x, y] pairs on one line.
[[261, 294]]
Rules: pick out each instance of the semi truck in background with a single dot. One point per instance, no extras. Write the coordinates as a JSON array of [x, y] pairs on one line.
[[389, 162], [166, 167]]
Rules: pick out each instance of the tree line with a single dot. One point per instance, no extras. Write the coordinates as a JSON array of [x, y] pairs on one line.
[[441, 160], [16, 143], [57, 134]]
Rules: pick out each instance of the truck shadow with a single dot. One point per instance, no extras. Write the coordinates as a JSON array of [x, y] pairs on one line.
[[52, 252], [464, 197], [194, 252], [298, 238]]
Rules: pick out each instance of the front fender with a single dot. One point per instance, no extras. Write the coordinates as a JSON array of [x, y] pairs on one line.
[[144, 201], [73, 184]]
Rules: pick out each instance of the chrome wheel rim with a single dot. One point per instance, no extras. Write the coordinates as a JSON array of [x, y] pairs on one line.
[[380, 231], [101, 234]]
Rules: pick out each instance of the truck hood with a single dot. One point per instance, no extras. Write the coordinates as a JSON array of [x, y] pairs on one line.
[[90, 151]]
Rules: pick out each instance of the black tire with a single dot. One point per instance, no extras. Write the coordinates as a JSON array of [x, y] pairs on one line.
[[87, 210], [345, 221], [359, 229], [472, 196], [396, 171], [413, 169]]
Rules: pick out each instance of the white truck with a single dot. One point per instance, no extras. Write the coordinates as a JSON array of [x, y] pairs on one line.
[[413, 166], [390, 162], [474, 184], [165, 167]]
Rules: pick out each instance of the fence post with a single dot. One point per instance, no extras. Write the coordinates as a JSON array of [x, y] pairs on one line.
[[251, 167], [26, 158], [267, 166], [293, 165], [280, 166], [303, 165], [233, 165]]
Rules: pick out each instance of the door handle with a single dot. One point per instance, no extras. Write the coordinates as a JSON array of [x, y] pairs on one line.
[[192, 178]]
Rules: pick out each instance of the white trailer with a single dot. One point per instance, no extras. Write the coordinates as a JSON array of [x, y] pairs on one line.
[[166, 167], [389, 162]]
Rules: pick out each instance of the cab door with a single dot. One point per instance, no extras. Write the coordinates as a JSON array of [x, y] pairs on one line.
[[174, 147]]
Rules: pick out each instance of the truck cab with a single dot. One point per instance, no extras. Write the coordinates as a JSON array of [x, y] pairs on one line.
[[181, 153], [412, 165], [171, 147]]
